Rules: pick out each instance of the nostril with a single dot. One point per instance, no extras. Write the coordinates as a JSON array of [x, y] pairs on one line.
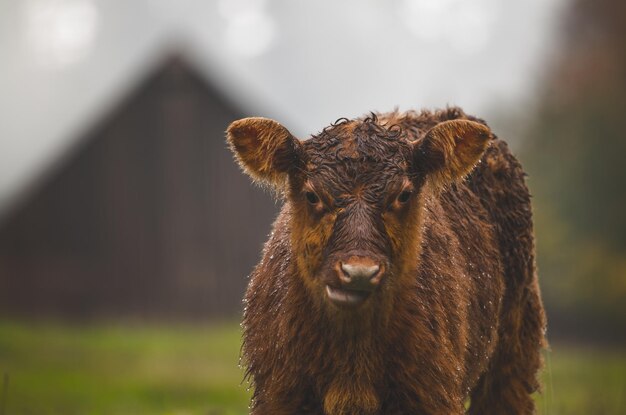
[[360, 271]]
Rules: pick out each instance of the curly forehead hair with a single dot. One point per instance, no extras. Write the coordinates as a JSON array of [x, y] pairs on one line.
[[369, 124], [362, 140]]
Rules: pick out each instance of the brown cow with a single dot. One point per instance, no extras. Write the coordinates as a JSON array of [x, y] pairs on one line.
[[399, 277]]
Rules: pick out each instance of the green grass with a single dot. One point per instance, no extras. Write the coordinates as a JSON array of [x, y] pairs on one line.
[[583, 381], [122, 369], [192, 369]]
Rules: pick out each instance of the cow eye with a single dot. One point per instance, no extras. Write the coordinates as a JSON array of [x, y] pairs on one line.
[[312, 198], [404, 196]]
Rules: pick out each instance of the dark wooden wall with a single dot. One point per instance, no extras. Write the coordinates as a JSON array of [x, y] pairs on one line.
[[148, 215]]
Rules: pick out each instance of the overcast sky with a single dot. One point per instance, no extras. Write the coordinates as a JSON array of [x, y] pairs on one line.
[[65, 63]]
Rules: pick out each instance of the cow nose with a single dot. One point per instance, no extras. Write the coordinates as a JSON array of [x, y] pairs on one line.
[[360, 272]]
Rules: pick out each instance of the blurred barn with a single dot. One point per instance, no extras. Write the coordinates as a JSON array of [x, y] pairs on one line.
[[146, 216]]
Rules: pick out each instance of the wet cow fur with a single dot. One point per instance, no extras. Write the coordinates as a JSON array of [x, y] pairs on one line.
[[441, 205]]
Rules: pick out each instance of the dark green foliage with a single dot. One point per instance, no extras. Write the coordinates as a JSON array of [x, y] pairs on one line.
[[576, 157]]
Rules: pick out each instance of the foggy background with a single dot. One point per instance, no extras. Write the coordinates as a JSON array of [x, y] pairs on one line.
[[119, 200], [67, 63]]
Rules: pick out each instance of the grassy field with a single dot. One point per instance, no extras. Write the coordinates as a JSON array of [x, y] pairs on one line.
[[192, 369]]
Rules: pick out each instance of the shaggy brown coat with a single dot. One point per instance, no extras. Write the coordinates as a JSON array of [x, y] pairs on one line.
[[441, 204]]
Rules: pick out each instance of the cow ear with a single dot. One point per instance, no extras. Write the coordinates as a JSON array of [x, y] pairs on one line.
[[265, 150], [450, 150]]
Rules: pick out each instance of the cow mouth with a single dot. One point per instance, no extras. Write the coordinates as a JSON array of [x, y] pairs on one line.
[[346, 298]]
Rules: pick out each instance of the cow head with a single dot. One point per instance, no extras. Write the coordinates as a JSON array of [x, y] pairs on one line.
[[356, 193]]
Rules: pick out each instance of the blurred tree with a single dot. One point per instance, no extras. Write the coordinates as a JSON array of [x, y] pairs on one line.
[[576, 157]]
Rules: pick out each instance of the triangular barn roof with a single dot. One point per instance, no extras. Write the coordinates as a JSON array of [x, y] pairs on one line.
[[148, 215]]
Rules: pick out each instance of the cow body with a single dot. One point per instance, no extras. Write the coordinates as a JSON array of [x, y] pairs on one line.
[[454, 310]]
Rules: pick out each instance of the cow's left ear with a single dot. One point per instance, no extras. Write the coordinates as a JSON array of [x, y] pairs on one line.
[[450, 150], [265, 149]]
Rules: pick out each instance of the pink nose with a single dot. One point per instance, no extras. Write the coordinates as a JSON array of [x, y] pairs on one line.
[[360, 272]]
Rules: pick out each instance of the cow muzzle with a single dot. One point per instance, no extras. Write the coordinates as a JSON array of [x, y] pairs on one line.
[[357, 278]]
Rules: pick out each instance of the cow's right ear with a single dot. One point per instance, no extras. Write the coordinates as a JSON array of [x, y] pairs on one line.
[[265, 150], [450, 150]]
